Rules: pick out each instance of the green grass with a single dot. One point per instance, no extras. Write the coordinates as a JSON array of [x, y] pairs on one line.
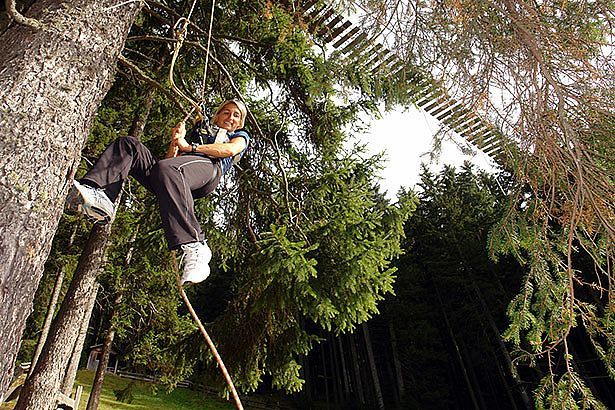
[[147, 396]]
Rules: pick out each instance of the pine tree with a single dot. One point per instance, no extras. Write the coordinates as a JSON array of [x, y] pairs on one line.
[[298, 209], [449, 308], [45, 119], [542, 74]]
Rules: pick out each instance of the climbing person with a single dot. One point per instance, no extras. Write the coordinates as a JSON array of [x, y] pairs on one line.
[[191, 169]]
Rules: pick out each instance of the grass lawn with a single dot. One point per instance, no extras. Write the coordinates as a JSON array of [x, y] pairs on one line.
[[147, 396]]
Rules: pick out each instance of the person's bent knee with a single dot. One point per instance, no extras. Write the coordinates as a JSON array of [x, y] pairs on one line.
[[130, 140], [162, 169]]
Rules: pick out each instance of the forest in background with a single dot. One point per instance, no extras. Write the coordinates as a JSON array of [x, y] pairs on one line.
[[303, 243]]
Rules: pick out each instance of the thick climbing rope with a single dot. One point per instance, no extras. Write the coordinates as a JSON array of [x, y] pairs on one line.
[[181, 29], [210, 343], [211, 23]]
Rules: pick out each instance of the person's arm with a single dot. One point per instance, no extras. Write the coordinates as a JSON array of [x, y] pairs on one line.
[[216, 150], [179, 131], [172, 151]]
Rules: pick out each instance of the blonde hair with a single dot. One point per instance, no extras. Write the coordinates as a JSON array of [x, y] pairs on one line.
[[242, 109]]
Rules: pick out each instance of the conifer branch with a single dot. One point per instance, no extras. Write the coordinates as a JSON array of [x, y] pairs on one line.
[[136, 70]]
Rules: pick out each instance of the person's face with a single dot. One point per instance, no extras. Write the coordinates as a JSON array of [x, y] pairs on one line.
[[229, 117]]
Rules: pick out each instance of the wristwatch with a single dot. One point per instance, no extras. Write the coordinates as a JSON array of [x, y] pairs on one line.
[[194, 147]]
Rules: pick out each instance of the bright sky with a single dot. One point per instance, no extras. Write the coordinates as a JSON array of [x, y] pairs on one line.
[[407, 138]]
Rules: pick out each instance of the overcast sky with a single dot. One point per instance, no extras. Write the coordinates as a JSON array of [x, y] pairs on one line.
[[406, 138]]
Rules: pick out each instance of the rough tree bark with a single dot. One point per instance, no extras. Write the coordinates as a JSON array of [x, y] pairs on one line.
[[51, 83], [51, 309], [40, 389], [70, 375], [48, 317], [99, 377]]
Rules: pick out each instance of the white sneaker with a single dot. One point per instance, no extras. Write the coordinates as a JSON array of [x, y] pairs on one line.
[[92, 202], [196, 262]]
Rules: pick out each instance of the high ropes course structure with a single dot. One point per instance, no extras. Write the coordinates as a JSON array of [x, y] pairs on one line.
[[357, 48]]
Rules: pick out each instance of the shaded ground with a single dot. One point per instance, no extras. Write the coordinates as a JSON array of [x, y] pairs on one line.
[[146, 396]]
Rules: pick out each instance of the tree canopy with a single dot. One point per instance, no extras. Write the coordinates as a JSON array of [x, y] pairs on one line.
[[302, 237], [543, 74], [299, 231]]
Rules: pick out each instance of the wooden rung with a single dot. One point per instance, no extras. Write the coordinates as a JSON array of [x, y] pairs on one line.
[[495, 141], [487, 138], [475, 131], [440, 103], [346, 36], [357, 41], [318, 8], [424, 93], [443, 107], [398, 68], [494, 151], [379, 56], [458, 117], [465, 126], [367, 55], [331, 31], [460, 124], [318, 22], [478, 138], [433, 93], [387, 62], [309, 3], [469, 121], [451, 111]]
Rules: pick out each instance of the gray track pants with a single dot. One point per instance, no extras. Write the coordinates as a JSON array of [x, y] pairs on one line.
[[176, 182]]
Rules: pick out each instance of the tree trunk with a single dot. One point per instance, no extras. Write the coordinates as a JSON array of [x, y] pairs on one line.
[[52, 81], [335, 376], [372, 366], [477, 388], [48, 318], [51, 309], [99, 377], [344, 368], [40, 389], [324, 371], [357, 372], [401, 391], [502, 375], [451, 334], [68, 381], [512, 368]]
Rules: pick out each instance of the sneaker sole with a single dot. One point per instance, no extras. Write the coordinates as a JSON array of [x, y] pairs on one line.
[[75, 205]]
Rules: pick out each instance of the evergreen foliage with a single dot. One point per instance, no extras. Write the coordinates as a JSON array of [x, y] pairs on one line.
[[542, 73], [299, 230], [450, 295]]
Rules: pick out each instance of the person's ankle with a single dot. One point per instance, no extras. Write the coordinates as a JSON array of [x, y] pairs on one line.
[[89, 182]]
